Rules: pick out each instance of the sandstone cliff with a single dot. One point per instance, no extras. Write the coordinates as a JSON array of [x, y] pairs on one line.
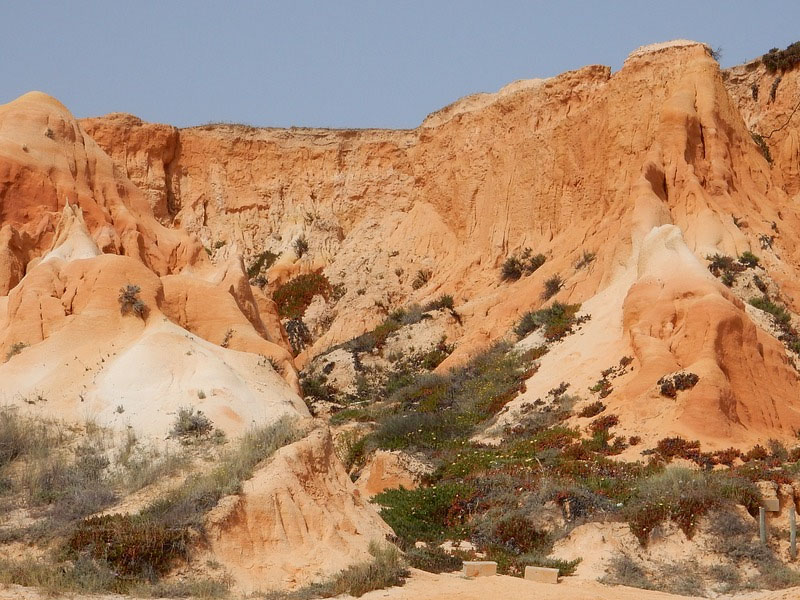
[[588, 161]]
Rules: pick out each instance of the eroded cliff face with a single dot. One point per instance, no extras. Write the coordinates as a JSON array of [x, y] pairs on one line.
[[74, 233], [586, 161]]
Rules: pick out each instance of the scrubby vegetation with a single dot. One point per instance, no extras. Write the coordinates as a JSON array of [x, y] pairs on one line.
[[781, 318], [261, 263], [526, 263], [129, 301], [585, 260], [65, 475], [388, 568], [422, 277], [782, 60], [556, 321], [670, 385], [190, 423], [300, 246], [15, 349], [759, 141], [293, 297], [552, 286]]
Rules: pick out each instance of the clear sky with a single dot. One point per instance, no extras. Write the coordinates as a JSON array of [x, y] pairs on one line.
[[341, 63]]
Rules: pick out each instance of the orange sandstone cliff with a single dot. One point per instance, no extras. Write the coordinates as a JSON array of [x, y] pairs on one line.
[[652, 168]]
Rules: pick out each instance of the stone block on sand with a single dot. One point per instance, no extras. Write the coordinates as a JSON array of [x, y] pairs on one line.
[[541, 574]]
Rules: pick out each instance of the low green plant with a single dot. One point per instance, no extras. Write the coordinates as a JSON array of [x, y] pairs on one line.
[[551, 286], [429, 514], [263, 261], [300, 246], [585, 260], [433, 560], [191, 423], [557, 321], [525, 263], [132, 546], [683, 496], [782, 60], [779, 313], [748, 259], [293, 297], [387, 569], [15, 349]]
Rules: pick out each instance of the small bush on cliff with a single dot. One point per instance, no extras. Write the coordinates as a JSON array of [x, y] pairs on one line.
[[298, 334], [780, 315], [670, 385], [262, 261], [683, 496], [15, 349], [592, 410], [557, 321], [129, 301], [516, 266], [300, 246], [748, 259], [551, 287], [387, 569], [132, 546], [782, 60], [759, 141], [585, 260], [293, 297], [190, 423], [423, 276]]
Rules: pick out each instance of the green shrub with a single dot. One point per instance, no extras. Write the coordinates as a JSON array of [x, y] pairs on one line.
[[262, 262], [683, 496], [552, 286], [779, 313], [592, 410], [526, 263], [293, 297], [317, 388], [585, 260], [387, 569], [298, 334], [21, 436], [433, 560], [748, 259], [670, 385], [134, 547], [300, 246], [190, 423], [782, 60], [759, 141], [428, 393], [186, 588], [445, 301], [83, 575], [623, 570], [429, 514], [557, 320], [15, 349], [511, 270], [514, 533]]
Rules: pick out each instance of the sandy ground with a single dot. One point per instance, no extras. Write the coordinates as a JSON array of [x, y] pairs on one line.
[[452, 586]]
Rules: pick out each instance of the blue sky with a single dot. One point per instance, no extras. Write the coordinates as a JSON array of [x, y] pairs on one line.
[[340, 63]]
